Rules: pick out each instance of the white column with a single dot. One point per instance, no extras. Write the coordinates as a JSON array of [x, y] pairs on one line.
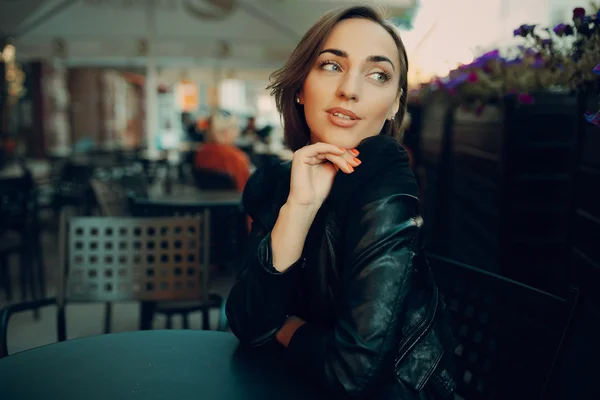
[[151, 83]]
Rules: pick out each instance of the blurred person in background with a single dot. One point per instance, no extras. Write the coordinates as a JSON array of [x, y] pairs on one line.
[[219, 152], [192, 133], [336, 274]]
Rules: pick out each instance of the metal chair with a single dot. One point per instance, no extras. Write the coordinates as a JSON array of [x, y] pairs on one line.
[[20, 234], [147, 208], [509, 336], [111, 197], [125, 259]]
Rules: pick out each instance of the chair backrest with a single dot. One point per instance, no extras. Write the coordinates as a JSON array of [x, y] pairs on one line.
[[16, 202], [111, 198], [213, 180], [125, 258], [228, 225], [509, 335]]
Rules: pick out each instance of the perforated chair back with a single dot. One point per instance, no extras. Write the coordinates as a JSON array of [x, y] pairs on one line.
[[509, 335], [125, 258]]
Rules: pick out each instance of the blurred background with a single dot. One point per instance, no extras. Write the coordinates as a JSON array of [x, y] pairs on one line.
[[121, 108]]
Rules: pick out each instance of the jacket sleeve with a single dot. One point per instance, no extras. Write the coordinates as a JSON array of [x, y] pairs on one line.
[[258, 303], [349, 357]]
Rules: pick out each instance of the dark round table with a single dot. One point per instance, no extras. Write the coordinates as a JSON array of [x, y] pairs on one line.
[[152, 365]]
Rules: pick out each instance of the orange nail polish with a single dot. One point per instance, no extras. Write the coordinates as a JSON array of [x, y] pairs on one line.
[[356, 160], [342, 149], [350, 168], [354, 151]]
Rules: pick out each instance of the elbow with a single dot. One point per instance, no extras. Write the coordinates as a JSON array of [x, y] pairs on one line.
[[358, 381], [243, 327]]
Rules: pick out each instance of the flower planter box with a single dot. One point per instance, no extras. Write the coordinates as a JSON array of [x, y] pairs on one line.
[[431, 173], [508, 185], [585, 239]]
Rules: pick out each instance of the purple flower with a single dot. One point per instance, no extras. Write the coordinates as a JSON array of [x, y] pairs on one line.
[[596, 69], [538, 63], [593, 119], [559, 29], [473, 77], [525, 98], [457, 80], [523, 30], [490, 55], [515, 61], [578, 12]]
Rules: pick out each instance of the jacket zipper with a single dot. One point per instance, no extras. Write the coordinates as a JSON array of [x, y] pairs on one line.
[[412, 340]]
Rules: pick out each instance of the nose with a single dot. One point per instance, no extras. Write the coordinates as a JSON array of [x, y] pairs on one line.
[[349, 87]]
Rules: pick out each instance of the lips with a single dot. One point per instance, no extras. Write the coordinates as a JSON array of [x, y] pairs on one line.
[[343, 113], [342, 118]]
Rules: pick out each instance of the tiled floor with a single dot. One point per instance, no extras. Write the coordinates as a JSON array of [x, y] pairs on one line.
[[84, 319]]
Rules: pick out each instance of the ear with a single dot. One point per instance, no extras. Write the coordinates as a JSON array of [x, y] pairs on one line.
[[396, 105], [300, 95]]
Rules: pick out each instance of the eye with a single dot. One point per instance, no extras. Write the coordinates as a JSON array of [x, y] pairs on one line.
[[380, 76], [330, 66]]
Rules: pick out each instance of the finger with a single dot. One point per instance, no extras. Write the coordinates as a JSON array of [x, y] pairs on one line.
[[350, 159], [320, 148], [341, 163]]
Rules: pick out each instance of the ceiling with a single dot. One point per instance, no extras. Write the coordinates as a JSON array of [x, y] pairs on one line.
[[250, 33]]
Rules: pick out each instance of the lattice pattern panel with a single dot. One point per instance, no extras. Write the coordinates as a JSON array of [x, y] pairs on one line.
[[507, 333], [135, 259]]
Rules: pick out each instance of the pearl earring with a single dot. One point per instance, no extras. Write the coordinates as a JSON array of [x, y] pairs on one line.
[[298, 100]]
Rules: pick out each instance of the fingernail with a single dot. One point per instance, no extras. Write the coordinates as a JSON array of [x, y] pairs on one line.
[[356, 160], [342, 149], [350, 168], [355, 152]]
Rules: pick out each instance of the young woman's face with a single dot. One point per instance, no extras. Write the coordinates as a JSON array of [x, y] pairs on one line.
[[353, 86]]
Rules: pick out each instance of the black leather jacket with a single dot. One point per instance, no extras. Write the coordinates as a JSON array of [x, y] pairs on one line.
[[375, 320]]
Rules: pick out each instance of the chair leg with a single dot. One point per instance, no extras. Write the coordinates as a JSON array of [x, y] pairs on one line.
[[205, 318], [169, 321], [146, 314], [41, 268], [107, 317], [186, 321], [5, 277], [27, 279], [61, 324]]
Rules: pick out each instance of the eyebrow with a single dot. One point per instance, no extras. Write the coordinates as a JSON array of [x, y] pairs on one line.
[[343, 54]]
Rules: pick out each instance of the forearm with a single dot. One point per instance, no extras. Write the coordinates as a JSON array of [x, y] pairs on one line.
[[289, 234]]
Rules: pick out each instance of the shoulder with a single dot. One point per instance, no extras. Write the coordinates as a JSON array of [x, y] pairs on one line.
[[384, 173], [266, 191]]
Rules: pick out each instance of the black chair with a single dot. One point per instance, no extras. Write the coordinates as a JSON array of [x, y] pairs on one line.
[[509, 336], [212, 180], [124, 259], [230, 218], [73, 188], [20, 234]]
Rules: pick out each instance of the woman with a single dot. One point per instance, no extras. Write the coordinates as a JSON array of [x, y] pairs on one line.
[[334, 272], [220, 154]]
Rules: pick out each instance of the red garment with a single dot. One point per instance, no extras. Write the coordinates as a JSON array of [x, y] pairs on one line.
[[224, 158]]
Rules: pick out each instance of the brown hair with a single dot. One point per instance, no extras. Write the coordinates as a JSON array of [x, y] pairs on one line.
[[287, 81]]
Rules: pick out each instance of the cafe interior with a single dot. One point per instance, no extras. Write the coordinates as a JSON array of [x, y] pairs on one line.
[[120, 215]]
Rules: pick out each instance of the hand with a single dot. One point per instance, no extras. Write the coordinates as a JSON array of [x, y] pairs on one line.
[[313, 170], [284, 335]]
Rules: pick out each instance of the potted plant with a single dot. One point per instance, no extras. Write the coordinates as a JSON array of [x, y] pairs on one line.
[[513, 140]]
